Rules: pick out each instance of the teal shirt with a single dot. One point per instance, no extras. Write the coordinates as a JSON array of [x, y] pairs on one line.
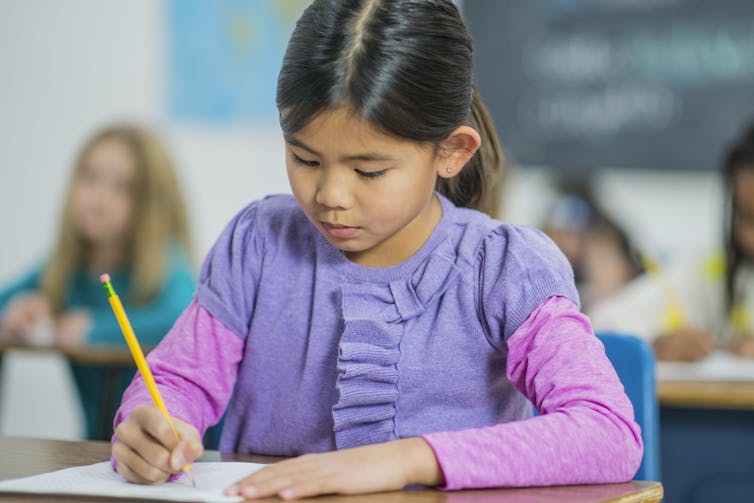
[[100, 388]]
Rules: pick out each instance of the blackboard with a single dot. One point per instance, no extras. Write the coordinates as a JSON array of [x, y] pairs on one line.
[[580, 84]]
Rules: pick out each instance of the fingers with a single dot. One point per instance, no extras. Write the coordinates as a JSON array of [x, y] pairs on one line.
[[700, 344], [133, 437], [148, 448], [191, 436], [154, 424], [289, 480], [743, 346], [684, 345], [26, 311], [135, 468]]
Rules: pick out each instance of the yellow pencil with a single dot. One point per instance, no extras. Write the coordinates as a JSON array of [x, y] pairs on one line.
[[141, 362]]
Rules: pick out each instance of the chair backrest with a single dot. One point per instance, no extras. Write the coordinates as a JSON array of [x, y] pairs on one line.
[[634, 362]]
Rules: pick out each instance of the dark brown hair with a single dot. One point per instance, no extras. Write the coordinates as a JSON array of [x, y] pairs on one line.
[[403, 65], [740, 156]]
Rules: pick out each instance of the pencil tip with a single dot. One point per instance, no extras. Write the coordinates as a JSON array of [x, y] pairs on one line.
[[190, 474]]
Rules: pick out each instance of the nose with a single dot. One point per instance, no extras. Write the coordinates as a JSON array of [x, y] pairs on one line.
[[333, 191]]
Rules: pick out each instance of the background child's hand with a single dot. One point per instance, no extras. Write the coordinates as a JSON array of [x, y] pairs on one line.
[[72, 327], [146, 450], [373, 468], [687, 344], [743, 345], [24, 313]]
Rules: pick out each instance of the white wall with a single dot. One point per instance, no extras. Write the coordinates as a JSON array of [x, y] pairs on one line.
[[68, 67]]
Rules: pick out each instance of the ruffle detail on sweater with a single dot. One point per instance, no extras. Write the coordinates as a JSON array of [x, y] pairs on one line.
[[375, 318]]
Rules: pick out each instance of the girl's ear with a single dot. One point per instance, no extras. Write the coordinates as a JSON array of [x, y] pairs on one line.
[[456, 150]]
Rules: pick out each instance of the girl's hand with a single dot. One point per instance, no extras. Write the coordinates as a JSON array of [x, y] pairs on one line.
[[72, 327], [146, 449], [24, 313], [687, 344], [373, 468], [743, 346]]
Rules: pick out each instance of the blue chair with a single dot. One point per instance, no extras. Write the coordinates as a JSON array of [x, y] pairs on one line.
[[634, 362]]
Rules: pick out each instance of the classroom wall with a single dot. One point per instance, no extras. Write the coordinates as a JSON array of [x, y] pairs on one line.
[[70, 66]]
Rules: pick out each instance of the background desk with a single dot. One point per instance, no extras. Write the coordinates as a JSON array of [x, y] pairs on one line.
[[707, 440], [707, 394], [26, 456], [102, 355], [117, 368]]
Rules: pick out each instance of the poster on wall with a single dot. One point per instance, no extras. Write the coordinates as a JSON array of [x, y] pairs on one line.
[[224, 57]]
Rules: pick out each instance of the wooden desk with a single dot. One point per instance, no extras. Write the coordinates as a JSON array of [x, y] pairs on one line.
[[27, 456], [707, 394]]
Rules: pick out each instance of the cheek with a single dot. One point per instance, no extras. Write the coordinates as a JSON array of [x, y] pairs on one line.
[[81, 199], [302, 189], [391, 205], [121, 212]]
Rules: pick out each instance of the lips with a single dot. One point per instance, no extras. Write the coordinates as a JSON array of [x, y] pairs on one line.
[[340, 231]]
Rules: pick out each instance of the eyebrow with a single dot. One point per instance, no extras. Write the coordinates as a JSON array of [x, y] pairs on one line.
[[367, 156]]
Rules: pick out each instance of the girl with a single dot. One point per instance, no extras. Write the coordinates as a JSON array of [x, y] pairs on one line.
[[716, 291], [124, 211], [374, 318], [598, 249]]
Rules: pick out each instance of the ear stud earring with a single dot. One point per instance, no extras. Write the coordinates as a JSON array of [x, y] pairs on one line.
[[448, 170]]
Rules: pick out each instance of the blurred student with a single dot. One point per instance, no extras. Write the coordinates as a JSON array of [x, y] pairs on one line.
[[599, 250], [706, 302], [123, 214]]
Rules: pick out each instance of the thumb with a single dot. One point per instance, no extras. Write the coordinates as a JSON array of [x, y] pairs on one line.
[[184, 453], [189, 448], [188, 433]]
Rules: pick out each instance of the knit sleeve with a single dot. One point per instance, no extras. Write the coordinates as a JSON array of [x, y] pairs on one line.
[[230, 274], [27, 283], [519, 268], [585, 433], [195, 368]]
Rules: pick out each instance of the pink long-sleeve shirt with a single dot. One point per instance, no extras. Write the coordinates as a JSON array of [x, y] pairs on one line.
[[310, 352]]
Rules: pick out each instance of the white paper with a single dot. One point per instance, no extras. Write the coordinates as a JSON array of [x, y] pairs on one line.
[[100, 480], [719, 366]]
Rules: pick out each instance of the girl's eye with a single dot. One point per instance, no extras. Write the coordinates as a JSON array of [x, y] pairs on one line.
[[304, 162], [88, 176], [371, 174], [122, 186]]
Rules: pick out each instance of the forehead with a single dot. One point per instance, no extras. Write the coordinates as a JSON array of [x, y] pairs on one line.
[[109, 155], [342, 132], [109, 148]]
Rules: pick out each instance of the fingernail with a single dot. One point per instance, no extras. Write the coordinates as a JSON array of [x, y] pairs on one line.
[[287, 493], [250, 491], [178, 461], [232, 491]]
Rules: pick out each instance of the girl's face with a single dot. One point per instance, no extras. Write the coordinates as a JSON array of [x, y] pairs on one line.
[[743, 221], [369, 194], [102, 199]]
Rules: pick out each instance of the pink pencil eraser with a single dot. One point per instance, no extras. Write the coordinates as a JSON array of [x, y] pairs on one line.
[[104, 278]]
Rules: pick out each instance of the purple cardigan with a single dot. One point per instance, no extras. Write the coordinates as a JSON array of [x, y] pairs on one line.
[[311, 352]]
